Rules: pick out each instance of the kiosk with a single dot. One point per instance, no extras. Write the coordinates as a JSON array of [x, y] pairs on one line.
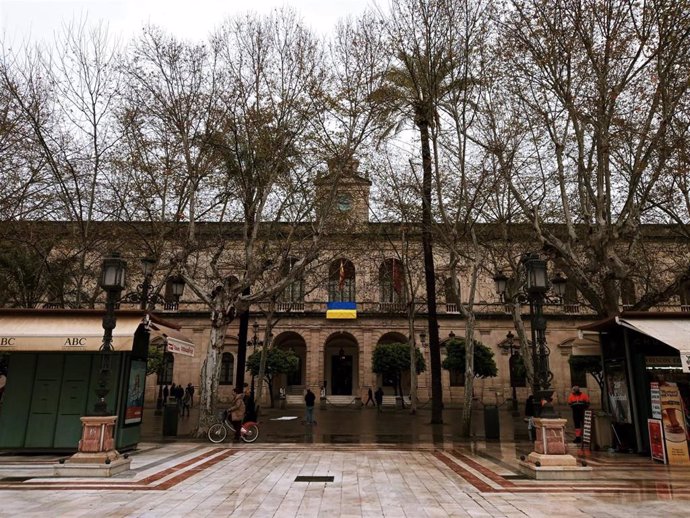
[[53, 362]]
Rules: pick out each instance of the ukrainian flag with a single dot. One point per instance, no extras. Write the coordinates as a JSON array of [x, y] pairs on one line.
[[341, 310]]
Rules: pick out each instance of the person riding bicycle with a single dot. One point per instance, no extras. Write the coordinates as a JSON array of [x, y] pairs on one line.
[[237, 412]]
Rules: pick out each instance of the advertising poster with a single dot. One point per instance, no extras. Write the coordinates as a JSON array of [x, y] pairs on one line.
[[673, 421], [617, 385], [135, 392], [656, 440]]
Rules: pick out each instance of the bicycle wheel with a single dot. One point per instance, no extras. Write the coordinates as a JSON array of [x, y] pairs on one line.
[[252, 433], [217, 433]]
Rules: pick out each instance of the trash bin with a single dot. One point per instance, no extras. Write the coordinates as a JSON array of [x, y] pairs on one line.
[[492, 428], [170, 418]]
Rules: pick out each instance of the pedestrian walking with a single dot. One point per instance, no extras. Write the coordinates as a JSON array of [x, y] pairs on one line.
[[370, 398], [190, 389], [379, 399], [237, 412], [249, 404], [309, 399], [166, 393], [186, 400], [529, 417], [178, 394], [579, 402]]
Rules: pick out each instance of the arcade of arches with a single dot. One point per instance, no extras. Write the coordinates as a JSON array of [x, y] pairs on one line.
[[336, 356]]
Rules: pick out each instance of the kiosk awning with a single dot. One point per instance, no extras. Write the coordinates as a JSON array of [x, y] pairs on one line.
[[63, 331], [675, 333], [176, 342]]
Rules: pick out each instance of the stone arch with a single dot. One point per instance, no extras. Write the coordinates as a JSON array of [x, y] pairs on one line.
[[294, 383]]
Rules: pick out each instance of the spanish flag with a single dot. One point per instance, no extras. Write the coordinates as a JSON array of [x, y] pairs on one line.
[[341, 310]]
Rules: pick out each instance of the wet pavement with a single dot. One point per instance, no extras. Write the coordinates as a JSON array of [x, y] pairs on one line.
[[352, 425], [353, 462]]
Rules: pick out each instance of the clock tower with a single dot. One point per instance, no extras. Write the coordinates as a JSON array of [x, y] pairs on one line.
[[349, 203]]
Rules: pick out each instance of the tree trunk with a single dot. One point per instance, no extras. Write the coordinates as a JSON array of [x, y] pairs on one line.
[[210, 374], [400, 390], [269, 379], [413, 364], [430, 277], [242, 346], [466, 420]]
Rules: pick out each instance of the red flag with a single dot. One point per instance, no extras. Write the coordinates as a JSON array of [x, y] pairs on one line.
[[341, 278]]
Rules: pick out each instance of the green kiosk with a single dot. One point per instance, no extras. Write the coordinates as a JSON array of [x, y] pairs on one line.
[[52, 364]]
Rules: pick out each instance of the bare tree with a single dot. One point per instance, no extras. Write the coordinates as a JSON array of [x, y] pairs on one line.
[[598, 86]]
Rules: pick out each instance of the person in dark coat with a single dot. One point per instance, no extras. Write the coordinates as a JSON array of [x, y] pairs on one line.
[[379, 398], [190, 390], [166, 393], [249, 404], [370, 398], [309, 399]]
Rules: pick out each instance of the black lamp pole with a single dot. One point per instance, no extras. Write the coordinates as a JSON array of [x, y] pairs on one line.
[[253, 344], [113, 282], [536, 288], [510, 341]]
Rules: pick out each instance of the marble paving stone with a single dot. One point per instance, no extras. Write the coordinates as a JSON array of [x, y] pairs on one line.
[[184, 480]]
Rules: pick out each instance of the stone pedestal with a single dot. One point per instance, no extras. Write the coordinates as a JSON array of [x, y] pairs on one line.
[[97, 456], [550, 459]]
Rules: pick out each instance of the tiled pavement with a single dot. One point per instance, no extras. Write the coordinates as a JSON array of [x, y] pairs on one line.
[[393, 465], [196, 479]]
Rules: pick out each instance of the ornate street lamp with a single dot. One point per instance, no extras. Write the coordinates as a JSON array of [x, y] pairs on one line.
[[536, 288], [112, 280], [177, 285]]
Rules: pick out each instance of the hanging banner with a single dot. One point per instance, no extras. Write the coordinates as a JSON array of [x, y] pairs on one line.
[[656, 440], [673, 419]]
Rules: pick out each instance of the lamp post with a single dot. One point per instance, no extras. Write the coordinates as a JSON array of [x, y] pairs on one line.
[[514, 351], [536, 288], [112, 280], [253, 343]]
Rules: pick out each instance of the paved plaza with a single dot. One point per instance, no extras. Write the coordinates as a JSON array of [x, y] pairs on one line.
[[421, 473]]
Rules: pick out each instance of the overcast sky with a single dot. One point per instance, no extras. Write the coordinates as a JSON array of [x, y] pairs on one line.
[[191, 19]]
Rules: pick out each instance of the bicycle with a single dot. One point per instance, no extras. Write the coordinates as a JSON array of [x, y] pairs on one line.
[[219, 431]]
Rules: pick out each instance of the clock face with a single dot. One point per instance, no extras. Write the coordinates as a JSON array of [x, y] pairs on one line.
[[344, 202]]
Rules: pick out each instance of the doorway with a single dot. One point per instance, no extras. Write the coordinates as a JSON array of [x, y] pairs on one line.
[[341, 375]]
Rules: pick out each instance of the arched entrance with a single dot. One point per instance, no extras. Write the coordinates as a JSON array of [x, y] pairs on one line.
[[389, 381], [293, 382], [341, 364]]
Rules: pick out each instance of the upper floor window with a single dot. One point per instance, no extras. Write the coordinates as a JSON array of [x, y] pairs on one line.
[[685, 294], [227, 368], [166, 373], [628, 293], [294, 292], [448, 292], [391, 281], [341, 281]]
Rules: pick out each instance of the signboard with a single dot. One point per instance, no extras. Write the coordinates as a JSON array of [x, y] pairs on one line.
[[587, 429], [656, 439], [662, 361], [134, 410], [180, 347], [673, 421], [656, 399]]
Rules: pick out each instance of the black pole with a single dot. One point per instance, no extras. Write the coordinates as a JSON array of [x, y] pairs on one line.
[[145, 287], [106, 350], [242, 345], [542, 374]]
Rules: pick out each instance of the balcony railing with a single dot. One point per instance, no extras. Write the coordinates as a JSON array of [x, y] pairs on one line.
[[290, 307]]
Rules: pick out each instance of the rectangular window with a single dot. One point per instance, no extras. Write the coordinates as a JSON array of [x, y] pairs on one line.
[[578, 377]]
